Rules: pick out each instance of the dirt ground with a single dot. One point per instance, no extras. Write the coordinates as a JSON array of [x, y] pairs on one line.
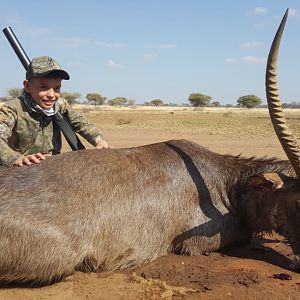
[[261, 270]]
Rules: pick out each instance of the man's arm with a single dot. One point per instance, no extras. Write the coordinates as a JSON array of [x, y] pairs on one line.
[[85, 128], [7, 121]]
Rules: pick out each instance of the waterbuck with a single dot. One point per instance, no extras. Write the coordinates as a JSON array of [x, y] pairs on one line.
[[110, 209]]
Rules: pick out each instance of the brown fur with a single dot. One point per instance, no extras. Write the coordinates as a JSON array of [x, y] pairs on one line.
[[110, 209]]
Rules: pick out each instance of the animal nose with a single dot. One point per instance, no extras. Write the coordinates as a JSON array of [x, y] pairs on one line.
[[296, 263]]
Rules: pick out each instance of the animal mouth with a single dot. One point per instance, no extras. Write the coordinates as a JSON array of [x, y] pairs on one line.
[[295, 265]]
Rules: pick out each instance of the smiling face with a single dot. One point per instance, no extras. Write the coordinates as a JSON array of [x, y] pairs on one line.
[[44, 91]]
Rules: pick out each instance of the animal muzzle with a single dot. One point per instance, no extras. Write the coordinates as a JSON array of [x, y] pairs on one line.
[[296, 262]]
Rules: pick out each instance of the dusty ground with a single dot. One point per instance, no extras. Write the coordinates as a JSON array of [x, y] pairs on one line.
[[260, 270]]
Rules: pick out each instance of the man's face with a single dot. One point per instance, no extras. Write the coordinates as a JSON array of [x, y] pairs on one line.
[[44, 91]]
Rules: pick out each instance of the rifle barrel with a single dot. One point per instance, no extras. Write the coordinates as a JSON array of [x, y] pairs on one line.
[[14, 42]]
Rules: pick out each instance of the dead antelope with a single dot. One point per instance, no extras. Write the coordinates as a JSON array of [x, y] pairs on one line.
[[118, 208]]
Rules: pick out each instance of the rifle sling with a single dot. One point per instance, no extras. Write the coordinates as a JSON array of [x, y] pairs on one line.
[[72, 139]]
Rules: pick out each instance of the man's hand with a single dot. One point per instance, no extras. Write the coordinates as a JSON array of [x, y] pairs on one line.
[[30, 159], [102, 144]]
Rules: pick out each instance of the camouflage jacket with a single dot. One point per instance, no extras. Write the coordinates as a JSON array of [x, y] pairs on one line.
[[25, 131]]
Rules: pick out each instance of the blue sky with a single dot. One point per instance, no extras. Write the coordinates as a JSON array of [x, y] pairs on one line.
[[150, 49]]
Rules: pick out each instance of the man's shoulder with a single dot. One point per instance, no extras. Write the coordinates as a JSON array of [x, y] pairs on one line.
[[63, 105]]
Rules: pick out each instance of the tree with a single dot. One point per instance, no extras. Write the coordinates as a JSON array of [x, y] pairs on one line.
[[14, 92], [229, 105], [70, 97], [117, 101], [156, 102], [216, 104], [197, 99], [249, 101], [95, 98], [130, 102]]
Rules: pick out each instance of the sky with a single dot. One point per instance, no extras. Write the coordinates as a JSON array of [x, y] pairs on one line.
[[149, 49]]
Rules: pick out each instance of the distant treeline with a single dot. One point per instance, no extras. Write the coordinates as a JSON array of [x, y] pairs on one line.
[[194, 99]]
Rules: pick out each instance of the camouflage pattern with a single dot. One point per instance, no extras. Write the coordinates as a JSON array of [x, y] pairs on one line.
[[44, 65], [25, 132]]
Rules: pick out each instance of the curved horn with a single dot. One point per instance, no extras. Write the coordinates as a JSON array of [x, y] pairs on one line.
[[287, 140]]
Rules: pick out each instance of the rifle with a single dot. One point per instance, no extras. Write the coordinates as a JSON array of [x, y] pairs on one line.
[[59, 119]]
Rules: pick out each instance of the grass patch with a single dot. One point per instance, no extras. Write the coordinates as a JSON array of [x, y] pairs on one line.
[[228, 123]]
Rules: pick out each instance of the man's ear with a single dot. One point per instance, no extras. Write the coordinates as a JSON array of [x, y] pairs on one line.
[[266, 182], [26, 85]]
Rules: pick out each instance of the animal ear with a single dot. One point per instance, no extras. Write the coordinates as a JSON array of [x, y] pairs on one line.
[[266, 182]]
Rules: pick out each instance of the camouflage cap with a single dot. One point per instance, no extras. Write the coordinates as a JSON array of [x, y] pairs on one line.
[[43, 66]]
